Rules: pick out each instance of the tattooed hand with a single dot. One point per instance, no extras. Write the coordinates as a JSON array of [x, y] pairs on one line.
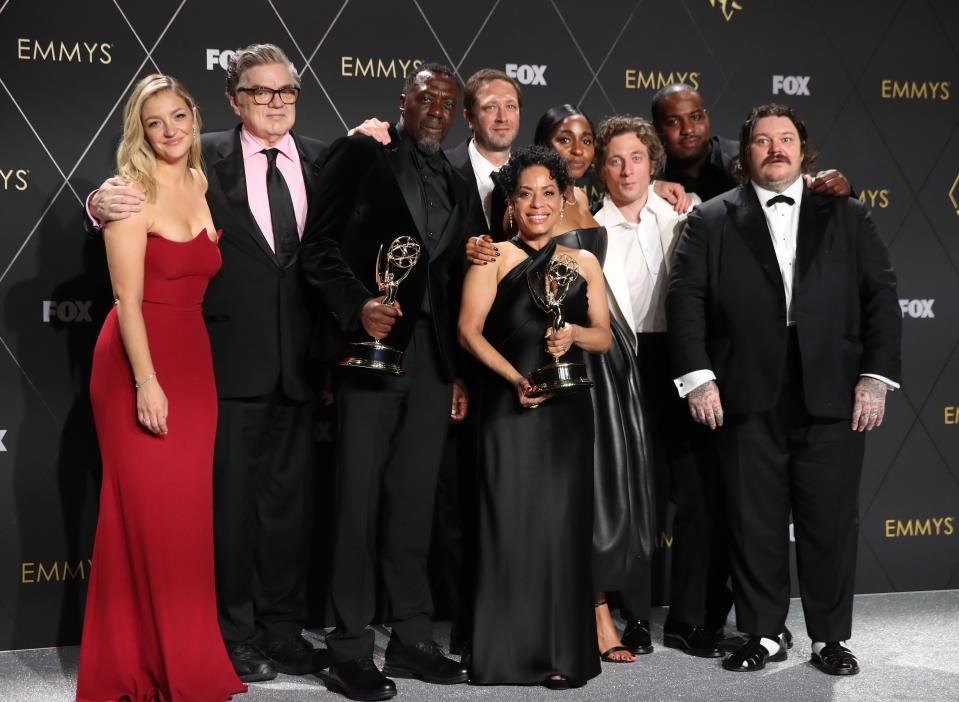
[[868, 404], [705, 406]]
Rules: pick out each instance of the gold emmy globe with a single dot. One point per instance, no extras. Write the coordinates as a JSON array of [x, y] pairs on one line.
[[549, 291], [391, 270]]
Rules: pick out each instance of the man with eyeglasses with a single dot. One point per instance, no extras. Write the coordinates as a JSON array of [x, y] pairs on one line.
[[260, 328]]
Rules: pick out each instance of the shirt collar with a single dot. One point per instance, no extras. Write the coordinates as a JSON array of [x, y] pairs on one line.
[[251, 145], [614, 218], [794, 191], [480, 163]]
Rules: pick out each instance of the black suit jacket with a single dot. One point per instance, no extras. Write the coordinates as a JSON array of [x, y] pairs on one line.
[[372, 194], [459, 158], [257, 313], [726, 308]]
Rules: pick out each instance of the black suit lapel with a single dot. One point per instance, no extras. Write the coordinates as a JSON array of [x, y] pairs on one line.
[[232, 176], [813, 218], [311, 171], [747, 216], [408, 181]]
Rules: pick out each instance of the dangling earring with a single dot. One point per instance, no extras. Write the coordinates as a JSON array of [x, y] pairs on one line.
[[562, 210], [194, 132], [510, 212]]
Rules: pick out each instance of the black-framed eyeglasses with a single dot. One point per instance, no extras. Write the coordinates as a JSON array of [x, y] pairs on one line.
[[264, 96]]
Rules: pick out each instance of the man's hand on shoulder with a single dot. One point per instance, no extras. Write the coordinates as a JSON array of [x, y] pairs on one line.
[[116, 199], [375, 128], [830, 182], [705, 405]]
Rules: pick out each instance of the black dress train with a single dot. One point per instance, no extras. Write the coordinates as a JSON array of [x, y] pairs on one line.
[[534, 616], [623, 498]]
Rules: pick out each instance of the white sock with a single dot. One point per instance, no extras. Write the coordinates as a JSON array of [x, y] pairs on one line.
[[771, 645], [818, 646]]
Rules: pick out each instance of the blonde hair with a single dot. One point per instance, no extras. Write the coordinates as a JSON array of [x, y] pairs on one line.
[[135, 159]]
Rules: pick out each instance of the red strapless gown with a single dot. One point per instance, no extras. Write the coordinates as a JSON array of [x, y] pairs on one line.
[[150, 626]]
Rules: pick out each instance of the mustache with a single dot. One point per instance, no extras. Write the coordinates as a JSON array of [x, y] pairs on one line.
[[777, 158]]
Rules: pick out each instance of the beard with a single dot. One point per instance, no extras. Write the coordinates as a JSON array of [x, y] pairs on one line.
[[428, 145]]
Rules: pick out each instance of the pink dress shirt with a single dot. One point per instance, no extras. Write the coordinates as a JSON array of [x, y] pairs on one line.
[[288, 161]]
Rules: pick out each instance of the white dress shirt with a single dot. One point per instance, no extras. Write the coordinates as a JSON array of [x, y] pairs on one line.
[[644, 260], [483, 170]]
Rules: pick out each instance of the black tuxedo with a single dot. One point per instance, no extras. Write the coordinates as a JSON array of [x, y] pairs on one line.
[[391, 429], [787, 391], [260, 326], [459, 158]]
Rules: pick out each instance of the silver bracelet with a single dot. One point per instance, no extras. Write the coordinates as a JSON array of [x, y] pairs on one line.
[[137, 386]]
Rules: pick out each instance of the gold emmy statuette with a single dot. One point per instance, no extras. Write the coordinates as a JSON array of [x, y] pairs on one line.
[[374, 355], [549, 291]]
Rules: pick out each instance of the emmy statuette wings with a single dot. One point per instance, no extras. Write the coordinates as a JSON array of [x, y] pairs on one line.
[[391, 270]]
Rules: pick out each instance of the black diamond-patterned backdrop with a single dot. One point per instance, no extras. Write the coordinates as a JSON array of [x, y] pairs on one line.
[[880, 105]]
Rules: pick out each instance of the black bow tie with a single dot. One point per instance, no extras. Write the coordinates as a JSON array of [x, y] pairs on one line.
[[780, 198]]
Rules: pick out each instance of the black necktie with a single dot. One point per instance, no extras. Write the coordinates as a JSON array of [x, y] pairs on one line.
[[780, 198], [282, 216]]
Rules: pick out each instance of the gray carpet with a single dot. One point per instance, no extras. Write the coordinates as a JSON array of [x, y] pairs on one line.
[[907, 644]]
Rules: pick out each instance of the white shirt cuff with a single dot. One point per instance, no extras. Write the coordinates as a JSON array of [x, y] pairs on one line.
[[685, 384], [97, 224], [892, 385]]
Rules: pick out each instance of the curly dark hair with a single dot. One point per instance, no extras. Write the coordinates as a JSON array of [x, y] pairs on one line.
[[772, 109], [612, 127], [527, 157]]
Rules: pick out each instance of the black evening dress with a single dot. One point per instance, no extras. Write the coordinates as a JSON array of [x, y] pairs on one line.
[[534, 616], [623, 497]]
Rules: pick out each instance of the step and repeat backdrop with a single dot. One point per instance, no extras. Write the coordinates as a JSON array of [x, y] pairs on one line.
[[875, 81]]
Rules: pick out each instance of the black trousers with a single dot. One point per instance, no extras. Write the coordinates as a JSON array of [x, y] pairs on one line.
[[683, 456], [788, 460], [391, 434], [262, 451]]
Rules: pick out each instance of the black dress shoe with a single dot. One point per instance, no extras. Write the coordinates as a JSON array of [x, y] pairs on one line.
[[295, 656], [249, 663], [753, 656], [835, 659], [787, 636], [562, 683], [693, 640], [423, 661], [636, 637], [360, 679]]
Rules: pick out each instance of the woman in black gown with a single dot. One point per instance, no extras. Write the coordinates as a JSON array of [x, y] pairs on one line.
[[533, 621], [623, 521]]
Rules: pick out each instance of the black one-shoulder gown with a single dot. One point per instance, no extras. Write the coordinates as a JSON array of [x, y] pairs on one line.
[[534, 616]]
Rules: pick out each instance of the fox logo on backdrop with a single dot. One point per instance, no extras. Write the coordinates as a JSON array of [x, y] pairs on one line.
[[917, 309], [218, 57], [527, 74], [791, 85], [67, 310]]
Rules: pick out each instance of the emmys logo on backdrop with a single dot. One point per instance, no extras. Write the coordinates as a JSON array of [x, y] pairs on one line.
[[67, 310], [665, 540], [915, 90], [218, 57], [35, 572], [917, 309], [791, 85], [527, 74], [727, 7], [637, 79], [875, 198], [356, 67], [950, 416], [14, 179], [64, 52], [930, 526]]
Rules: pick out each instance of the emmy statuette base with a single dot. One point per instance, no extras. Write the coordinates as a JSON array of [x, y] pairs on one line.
[[374, 356], [560, 377]]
